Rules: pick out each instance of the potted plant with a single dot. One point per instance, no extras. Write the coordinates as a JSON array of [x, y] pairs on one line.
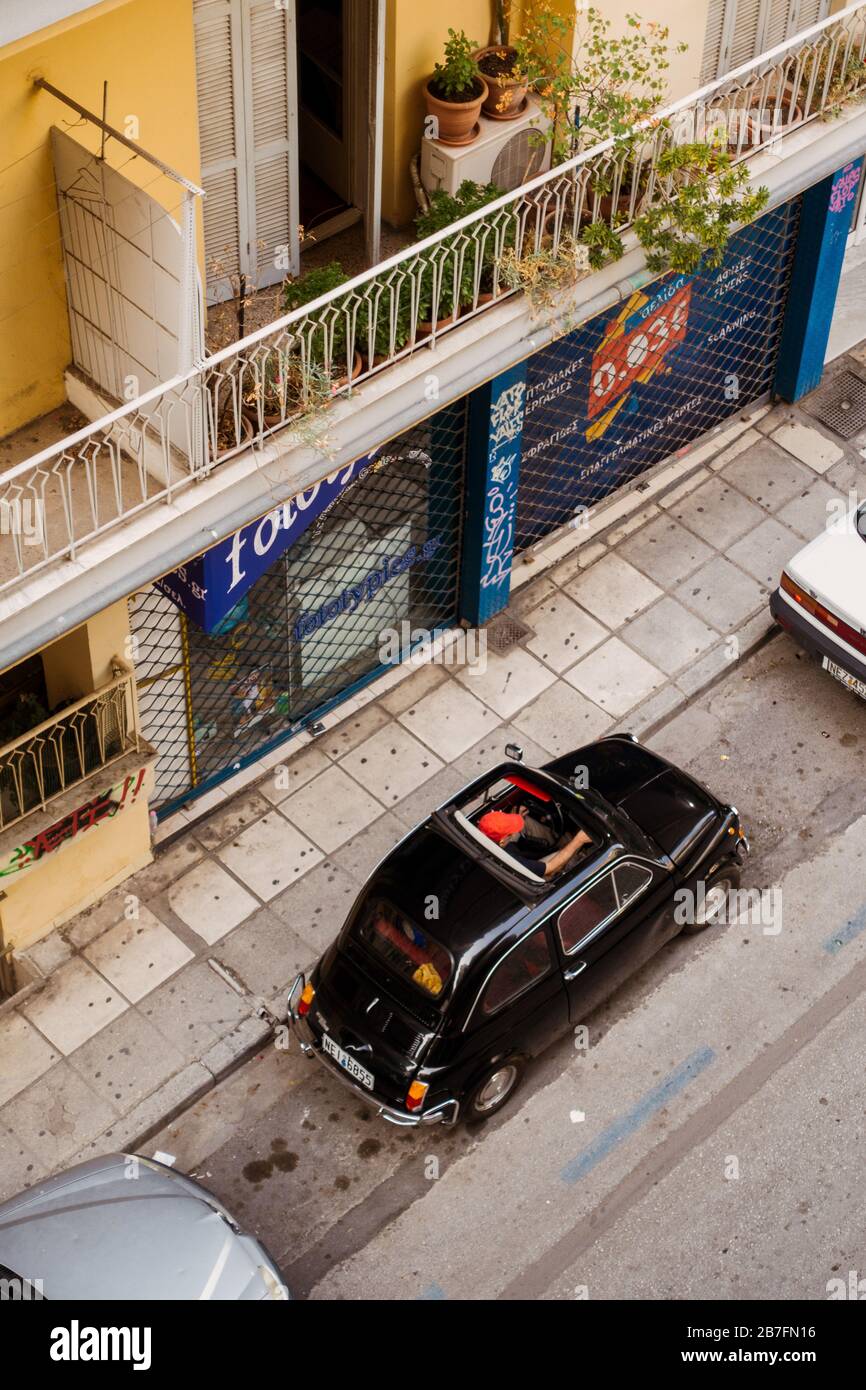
[[507, 83], [390, 326], [700, 197], [326, 332], [456, 92], [456, 280], [546, 274]]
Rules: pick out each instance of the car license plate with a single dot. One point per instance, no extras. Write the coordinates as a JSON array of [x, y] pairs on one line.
[[858, 686], [348, 1063]]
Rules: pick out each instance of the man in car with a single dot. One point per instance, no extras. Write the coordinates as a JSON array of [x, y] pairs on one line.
[[505, 828]]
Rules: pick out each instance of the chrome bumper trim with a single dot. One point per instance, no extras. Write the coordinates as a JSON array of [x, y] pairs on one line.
[[445, 1112]]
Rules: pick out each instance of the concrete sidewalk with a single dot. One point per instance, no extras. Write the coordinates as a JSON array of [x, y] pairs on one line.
[[159, 990]]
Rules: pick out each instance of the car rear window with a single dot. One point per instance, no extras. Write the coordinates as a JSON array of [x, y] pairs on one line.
[[404, 947]]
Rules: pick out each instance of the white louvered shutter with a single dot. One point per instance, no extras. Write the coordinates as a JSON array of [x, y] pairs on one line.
[[245, 77], [271, 148], [713, 41]]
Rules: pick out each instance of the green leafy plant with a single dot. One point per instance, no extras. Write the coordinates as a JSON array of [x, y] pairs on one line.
[[593, 86], [445, 209], [603, 244], [327, 325], [699, 198], [457, 79]]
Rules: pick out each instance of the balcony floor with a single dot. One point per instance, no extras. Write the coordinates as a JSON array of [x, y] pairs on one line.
[[31, 439]]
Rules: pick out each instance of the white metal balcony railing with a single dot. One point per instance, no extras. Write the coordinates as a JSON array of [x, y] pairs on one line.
[[147, 451], [62, 751]]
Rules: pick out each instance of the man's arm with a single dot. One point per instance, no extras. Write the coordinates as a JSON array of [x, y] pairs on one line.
[[560, 857]]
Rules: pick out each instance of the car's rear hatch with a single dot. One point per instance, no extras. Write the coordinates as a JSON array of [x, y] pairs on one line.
[[370, 1022]]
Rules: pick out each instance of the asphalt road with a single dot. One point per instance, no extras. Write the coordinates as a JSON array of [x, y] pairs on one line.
[[706, 1145]]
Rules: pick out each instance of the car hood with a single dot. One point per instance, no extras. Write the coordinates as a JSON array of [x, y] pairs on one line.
[[667, 805], [95, 1232], [832, 568]]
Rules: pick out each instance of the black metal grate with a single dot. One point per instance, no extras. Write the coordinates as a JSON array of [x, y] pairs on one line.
[[637, 383], [210, 702], [840, 405], [505, 631]]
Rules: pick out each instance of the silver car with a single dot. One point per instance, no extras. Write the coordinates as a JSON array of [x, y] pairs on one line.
[[123, 1226]]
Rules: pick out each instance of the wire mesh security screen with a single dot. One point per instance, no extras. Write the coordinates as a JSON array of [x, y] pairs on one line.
[[379, 565], [629, 387]]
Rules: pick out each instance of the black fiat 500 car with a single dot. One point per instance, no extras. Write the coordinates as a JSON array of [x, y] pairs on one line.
[[459, 961]]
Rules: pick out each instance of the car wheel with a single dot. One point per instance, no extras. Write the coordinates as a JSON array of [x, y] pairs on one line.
[[495, 1089], [713, 910]]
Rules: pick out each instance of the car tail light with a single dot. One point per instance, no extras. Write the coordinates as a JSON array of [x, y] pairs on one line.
[[416, 1094], [306, 1000], [817, 610]]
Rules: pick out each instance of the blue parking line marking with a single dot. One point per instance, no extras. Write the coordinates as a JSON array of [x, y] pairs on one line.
[[432, 1291], [628, 1124], [851, 929]]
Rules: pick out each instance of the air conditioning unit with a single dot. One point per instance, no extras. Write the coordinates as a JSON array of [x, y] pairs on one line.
[[506, 153]]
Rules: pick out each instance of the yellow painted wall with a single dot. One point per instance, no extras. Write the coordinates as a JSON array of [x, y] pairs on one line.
[[145, 50], [76, 875], [416, 34]]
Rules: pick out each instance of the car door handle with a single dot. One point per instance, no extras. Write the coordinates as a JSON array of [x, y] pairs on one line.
[[574, 972]]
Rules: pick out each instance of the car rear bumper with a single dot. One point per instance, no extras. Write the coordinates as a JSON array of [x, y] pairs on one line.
[[445, 1112], [811, 639]]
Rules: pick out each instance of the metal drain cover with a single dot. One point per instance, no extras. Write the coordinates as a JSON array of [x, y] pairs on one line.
[[505, 631], [841, 405]]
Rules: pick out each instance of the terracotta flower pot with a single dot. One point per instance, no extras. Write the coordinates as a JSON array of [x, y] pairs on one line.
[[763, 121], [457, 120], [357, 364], [425, 326], [506, 96]]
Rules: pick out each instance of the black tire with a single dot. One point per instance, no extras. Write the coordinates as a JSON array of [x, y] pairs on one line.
[[488, 1095], [726, 874]]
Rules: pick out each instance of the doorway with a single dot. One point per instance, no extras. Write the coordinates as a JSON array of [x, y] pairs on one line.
[[289, 99]]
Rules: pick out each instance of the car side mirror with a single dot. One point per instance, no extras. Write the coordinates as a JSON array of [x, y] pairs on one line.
[[514, 752]]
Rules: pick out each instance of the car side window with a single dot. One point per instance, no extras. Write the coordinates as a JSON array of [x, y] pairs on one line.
[[630, 880], [584, 914], [525, 964]]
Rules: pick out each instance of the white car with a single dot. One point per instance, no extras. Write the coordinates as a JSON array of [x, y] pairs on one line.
[[821, 599]]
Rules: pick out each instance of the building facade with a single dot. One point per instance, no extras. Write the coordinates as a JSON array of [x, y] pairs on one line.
[[188, 577]]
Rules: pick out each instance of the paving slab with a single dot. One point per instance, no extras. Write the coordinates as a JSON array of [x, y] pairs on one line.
[[194, 1009], [138, 955], [722, 594], [55, 1116], [666, 551], [391, 763], [808, 444], [210, 900], [508, 682], [562, 719], [26, 1055], [449, 720], [413, 688], [718, 513], [613, 590], [127, 1061], [670, 635], [810, 511], [351, 732], [73, 1005], [333, 807], [233, 816], [316, 908], [768, 475], [266, 953], [564, 632], [289, 776], [764, 552], [270, 855], [614, 677]]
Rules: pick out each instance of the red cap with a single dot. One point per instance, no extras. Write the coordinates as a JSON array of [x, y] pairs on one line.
[[497, 824]]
